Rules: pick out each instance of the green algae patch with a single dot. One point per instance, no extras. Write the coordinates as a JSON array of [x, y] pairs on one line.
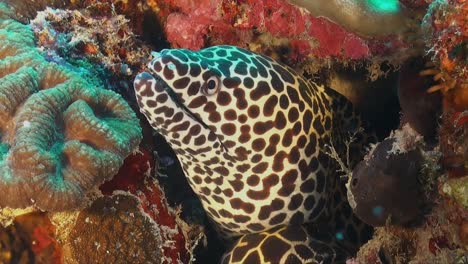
[[458, 190]]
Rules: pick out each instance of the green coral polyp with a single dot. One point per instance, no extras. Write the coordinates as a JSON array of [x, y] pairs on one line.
[[384, 6], [3, 150]]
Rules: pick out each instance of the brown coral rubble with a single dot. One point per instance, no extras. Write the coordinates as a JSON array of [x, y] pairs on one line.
[[115, 230]]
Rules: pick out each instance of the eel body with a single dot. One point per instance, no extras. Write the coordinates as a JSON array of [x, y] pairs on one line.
[[252, 137]]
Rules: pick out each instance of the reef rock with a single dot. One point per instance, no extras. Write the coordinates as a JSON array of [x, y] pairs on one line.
[[385, 186], [336, 30], [114, 230]]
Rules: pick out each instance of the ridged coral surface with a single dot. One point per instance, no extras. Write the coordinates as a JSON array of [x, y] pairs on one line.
[[60, 137], [115, 230]]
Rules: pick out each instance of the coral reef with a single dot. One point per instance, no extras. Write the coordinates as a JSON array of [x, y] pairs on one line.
[[135, 177], [384, 186], [89, 37], [415, 4], [446, 32], [441, 236], [69, 99], [453, 141], [438, 240], [456, 190], [114, 230], [419, 108], [61, 136], [24, 10], [363, 17], [263, 26], [130, 223]]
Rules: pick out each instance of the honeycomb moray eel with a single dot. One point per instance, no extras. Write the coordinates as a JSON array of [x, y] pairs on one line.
[[251, 136]]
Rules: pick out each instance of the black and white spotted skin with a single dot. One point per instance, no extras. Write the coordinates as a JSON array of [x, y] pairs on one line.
[[251, 136]]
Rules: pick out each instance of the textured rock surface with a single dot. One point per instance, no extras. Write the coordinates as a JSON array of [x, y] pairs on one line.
[[361, 17], [136, 177], [295, 34], [386, 189], [385, 186], [445, 33], [114, 230]]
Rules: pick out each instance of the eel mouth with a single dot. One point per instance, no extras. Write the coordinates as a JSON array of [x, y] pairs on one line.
[[162, 86]]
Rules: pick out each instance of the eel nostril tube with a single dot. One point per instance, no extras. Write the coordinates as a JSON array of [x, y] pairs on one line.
[[155, 55]]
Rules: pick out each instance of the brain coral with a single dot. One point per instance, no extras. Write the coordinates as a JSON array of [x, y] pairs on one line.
[[59, 136], [115, 230]]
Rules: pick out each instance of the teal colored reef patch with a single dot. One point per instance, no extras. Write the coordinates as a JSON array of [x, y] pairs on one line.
[[384, 6], [3, 151]]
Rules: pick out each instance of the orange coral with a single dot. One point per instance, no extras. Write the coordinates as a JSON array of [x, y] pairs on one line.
[[446, 30]]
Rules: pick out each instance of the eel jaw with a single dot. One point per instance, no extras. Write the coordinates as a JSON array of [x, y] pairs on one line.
[[158, 85], [189, 113]]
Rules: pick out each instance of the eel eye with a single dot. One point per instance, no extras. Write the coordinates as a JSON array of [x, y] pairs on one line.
[[211, 85]]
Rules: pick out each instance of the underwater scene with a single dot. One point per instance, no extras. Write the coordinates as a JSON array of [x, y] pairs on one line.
[[234, 131]]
